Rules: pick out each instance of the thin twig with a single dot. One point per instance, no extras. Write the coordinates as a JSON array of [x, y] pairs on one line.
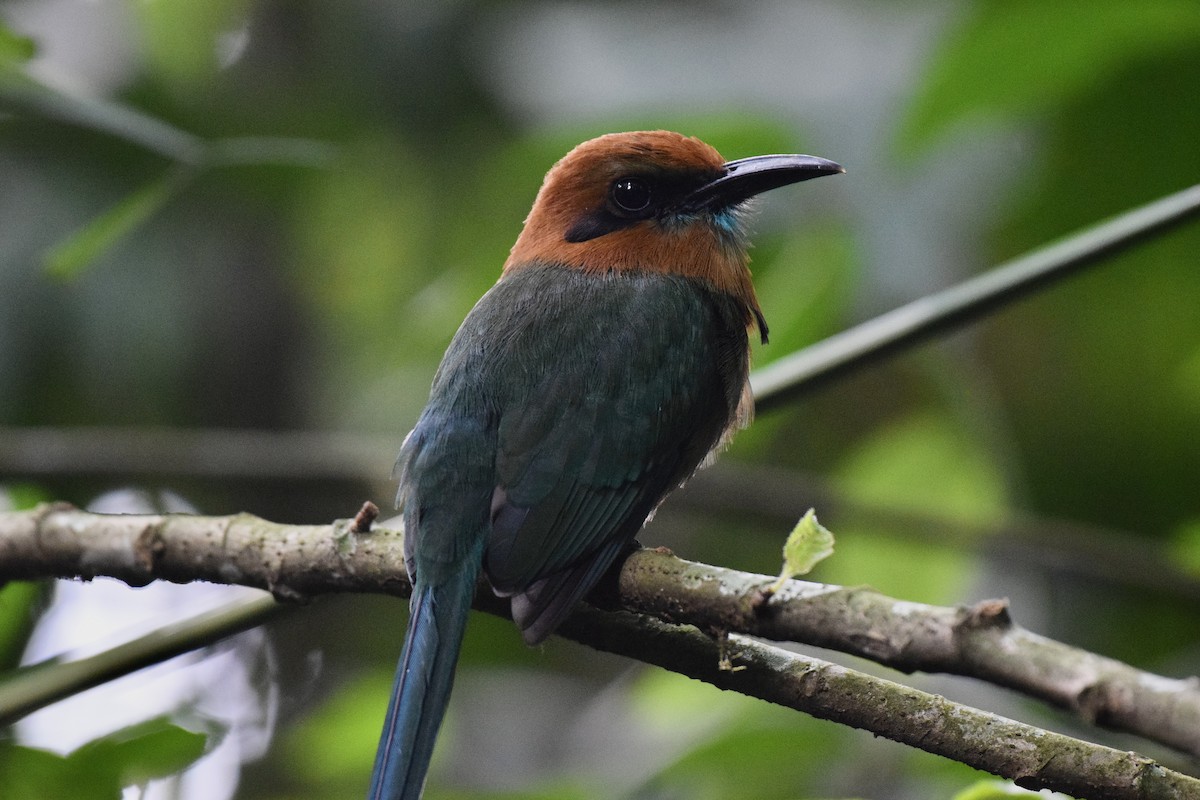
[[26, 93], [31, 688], [20, 90], [212, 453], [773, 385]]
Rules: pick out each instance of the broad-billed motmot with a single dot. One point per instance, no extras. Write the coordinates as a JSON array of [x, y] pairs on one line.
[[602, 368]]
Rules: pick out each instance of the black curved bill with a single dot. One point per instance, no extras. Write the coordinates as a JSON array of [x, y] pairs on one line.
[[747, 177]]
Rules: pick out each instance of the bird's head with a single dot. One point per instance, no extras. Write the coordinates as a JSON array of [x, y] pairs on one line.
[[654, 201]]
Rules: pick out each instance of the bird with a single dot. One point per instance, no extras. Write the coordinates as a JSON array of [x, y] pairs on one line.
[[606, 364]]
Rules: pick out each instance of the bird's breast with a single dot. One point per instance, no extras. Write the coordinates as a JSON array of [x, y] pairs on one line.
[[558, 329]]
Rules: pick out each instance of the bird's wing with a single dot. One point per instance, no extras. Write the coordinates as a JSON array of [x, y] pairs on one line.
[[624, 384]]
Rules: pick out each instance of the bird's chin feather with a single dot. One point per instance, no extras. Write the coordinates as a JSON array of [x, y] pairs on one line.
[[730, 225]]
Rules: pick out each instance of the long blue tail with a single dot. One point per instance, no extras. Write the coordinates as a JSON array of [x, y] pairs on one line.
[[437, 620]]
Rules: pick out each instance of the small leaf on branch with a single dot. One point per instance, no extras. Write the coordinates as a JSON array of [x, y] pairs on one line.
[[808, 544]]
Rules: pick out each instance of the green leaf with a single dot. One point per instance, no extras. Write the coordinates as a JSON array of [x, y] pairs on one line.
[[20, 496], [808, 544], [14, 48], [68, 258], [1016, 58], [134, 755], [1187, 379], [20, 603], [1185, 547], [26, 772], [101, 769]]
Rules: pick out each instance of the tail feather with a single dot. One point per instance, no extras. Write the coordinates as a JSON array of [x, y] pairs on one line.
[[437, 621]]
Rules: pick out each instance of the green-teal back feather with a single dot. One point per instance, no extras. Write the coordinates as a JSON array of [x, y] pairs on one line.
[[600, 394]]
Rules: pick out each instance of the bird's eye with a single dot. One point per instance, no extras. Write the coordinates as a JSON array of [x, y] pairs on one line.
[[631, 195]]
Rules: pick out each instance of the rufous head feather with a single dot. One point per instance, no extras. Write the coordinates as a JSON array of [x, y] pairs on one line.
[[654, 201]]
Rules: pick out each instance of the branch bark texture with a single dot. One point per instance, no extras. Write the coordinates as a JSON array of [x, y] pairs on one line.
[[691, 608], [1032, 757], [980, 641]]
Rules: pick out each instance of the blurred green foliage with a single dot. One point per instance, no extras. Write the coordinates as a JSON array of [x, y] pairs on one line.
[[73, 254], [14, 49], [101, 768], [1024, 59], [19, 604], [274, 290]]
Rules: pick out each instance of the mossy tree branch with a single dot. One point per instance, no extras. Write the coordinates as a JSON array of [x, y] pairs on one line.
[[701, 616]]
